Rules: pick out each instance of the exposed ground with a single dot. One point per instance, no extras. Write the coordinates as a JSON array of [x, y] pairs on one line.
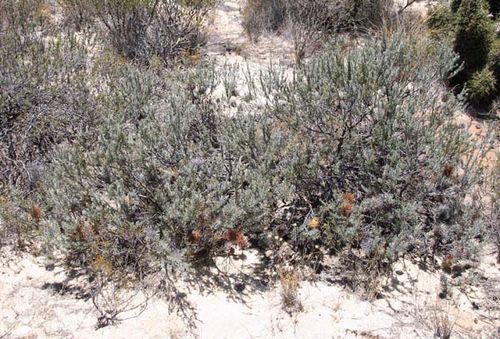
[[38, 301]]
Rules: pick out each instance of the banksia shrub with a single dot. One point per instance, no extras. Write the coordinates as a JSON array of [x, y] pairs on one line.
[[167, 180], [347, 156], [365, 121]]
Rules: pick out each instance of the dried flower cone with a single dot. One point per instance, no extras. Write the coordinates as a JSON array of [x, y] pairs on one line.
[[347, 204], [448, 170], [346, 209], [313, 223], [237, 238], [349, 197], [195, 236], [36, 212], [447, 263]]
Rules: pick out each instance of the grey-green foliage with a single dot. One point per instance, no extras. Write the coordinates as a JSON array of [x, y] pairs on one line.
[[163, 167], [360, 138], [376, 122]]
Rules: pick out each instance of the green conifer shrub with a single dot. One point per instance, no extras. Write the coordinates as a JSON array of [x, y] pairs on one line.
[[474, 37]]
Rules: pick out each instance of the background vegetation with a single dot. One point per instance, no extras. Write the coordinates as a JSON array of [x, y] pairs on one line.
[[468, 25]]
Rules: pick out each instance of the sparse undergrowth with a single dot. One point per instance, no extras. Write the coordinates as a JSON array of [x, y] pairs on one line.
[[309, 23]]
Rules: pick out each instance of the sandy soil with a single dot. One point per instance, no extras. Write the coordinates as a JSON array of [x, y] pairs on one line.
[[37, 301]]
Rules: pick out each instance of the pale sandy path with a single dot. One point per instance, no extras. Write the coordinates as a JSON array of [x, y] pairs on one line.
[[228, 39], [36, 303]]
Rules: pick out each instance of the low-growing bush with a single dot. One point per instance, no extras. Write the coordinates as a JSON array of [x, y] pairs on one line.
[[142, 29], [378, 157], [319, 15], [310, 22], [166, 178], [355, 155]]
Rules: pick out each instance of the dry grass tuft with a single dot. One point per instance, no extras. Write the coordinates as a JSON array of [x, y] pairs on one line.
[[290, 282], [442, 323]]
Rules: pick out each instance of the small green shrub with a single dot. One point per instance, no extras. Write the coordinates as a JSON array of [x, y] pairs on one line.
[[467, 24], [441, 22], [495, 62], [482, 87], [474, 37]]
